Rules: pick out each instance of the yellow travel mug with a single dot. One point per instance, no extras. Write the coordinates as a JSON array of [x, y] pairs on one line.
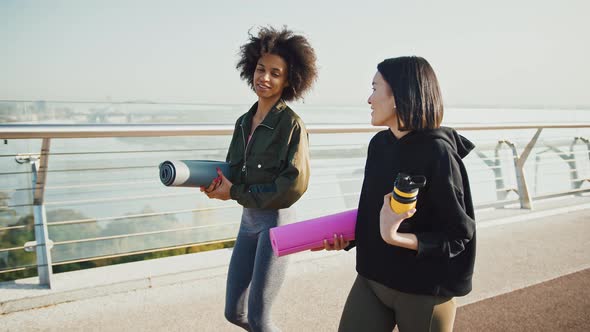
[[405, 192]]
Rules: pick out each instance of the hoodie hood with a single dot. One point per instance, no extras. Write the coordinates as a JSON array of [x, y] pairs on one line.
[[461, 145]]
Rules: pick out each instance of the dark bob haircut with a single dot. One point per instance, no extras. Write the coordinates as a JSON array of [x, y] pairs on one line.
[[294, 49], [415, 88]]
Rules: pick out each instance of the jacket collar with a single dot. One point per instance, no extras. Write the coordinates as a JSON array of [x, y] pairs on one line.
[[270, 121]]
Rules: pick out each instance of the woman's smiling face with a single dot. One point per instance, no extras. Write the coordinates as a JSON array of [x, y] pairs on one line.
[[382, 103], [270, 76]]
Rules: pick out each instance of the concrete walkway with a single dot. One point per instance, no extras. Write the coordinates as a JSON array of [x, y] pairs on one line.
[[516, 248]]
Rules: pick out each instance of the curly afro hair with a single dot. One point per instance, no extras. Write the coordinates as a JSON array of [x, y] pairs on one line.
[[294, 49]]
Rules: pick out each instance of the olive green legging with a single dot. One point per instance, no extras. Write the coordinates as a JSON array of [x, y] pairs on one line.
[[373, 307]]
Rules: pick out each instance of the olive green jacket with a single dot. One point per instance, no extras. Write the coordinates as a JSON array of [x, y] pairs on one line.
[[271, 171]]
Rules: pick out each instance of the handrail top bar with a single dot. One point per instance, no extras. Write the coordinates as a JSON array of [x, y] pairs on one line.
[[26, 131]]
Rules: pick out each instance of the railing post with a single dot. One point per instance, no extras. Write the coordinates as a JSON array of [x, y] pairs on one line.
[[587, 142], [43, 250], [519, 161], [500, 195], [495, 167]]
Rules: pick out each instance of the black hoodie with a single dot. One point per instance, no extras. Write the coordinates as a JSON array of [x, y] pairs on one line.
[[444, 221]]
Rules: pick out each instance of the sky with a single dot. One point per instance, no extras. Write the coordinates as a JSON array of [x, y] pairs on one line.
[[507, 53]]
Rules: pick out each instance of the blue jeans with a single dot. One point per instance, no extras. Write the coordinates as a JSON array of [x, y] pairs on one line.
[[255, 273]]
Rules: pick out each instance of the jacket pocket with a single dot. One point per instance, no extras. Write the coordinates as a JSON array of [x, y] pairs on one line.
[[262, 168]]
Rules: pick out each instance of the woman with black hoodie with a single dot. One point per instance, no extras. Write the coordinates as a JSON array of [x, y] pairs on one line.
[[411, 265]]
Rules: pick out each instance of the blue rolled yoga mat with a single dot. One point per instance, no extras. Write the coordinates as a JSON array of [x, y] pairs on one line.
[[191, 173]]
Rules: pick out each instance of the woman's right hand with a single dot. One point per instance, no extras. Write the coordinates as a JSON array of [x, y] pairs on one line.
[[338, 244], [214, 184]]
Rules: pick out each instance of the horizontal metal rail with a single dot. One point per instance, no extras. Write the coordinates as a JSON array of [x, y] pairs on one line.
[[9, 228], [168, 151], [30, 266], [28, 131], [130, 235], [28, 154], [138, 252], [140, 215], [19, 248], [17, 269], [134, 184], [140, 181], [112, 199]]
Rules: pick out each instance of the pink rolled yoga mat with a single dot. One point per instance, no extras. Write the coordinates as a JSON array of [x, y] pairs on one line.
[[308, 234]]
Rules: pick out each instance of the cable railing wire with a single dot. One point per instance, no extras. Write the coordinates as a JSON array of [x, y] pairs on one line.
[[140, 215], [130, 235]]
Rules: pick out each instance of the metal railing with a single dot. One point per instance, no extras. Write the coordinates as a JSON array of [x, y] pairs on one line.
[[502, 167], [28, 131]]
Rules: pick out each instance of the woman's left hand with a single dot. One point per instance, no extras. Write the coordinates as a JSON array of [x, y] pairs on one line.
[[338, 243], [389, 221], [222, 190]]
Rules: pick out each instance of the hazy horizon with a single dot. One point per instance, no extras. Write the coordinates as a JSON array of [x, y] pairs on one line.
[[522, 54]]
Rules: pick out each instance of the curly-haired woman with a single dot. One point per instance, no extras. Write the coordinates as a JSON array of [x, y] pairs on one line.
[[269, 169]]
